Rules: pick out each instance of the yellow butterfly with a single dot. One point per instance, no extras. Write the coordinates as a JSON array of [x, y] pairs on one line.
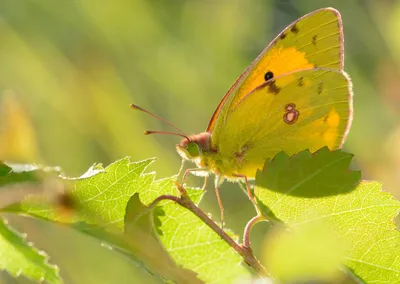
[[294, 96]]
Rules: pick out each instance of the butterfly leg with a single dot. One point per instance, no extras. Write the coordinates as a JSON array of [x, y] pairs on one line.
[[181, 167], [191, 171], [187, 171], [205, 183], [218, 180], [247, 187]]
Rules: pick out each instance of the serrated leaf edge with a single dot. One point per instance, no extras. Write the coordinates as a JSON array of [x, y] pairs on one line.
[[46, 257]]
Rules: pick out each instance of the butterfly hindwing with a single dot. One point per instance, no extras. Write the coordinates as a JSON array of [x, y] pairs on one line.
[[307, 109]]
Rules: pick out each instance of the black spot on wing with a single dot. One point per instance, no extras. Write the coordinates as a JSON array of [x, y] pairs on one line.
[[268, 76], [320, 87], [273, 88], [300, 82], [294, 29], [314, 39]]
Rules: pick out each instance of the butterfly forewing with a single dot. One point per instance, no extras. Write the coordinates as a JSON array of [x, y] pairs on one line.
[[315, 40]]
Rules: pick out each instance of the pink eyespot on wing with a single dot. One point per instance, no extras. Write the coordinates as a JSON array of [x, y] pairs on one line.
[[291, 114]]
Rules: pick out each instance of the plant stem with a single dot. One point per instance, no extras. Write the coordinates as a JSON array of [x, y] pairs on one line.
[[248, 228], [185, 201], [163, 197]]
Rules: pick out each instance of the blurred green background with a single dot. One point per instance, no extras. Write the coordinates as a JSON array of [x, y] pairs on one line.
[[70, 69]]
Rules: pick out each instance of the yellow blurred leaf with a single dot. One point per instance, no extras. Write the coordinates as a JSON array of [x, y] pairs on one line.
[[308, 252], [17, 134]]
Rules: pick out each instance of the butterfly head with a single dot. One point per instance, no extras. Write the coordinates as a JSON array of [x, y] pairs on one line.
[[188, 150], [193, 147]]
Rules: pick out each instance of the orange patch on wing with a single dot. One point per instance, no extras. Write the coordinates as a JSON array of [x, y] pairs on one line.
[[327, 127], [279, 61], [333, 118], [331, 134]]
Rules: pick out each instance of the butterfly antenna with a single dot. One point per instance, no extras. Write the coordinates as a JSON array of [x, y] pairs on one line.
[[148, 132], [181, 133]]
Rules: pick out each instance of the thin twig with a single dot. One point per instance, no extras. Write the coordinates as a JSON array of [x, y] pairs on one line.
[[248, 228], [163, 197], [185, 201]]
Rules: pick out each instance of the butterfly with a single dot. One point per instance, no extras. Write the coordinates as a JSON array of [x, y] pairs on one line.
[[294, 96]]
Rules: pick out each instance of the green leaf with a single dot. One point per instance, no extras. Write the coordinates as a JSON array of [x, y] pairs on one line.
[[92, 171], [191, 243], [309, 175], [107, 193], [101, 195], [4, 169], [19, 257], [141, 225], [83, 257], [18, 181], [143, 249], [318, 187], [19, 174], [24, 173], [139, 217]]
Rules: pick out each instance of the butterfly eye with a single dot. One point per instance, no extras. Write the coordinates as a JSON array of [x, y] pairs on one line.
[[193, 149], [269, 75]]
